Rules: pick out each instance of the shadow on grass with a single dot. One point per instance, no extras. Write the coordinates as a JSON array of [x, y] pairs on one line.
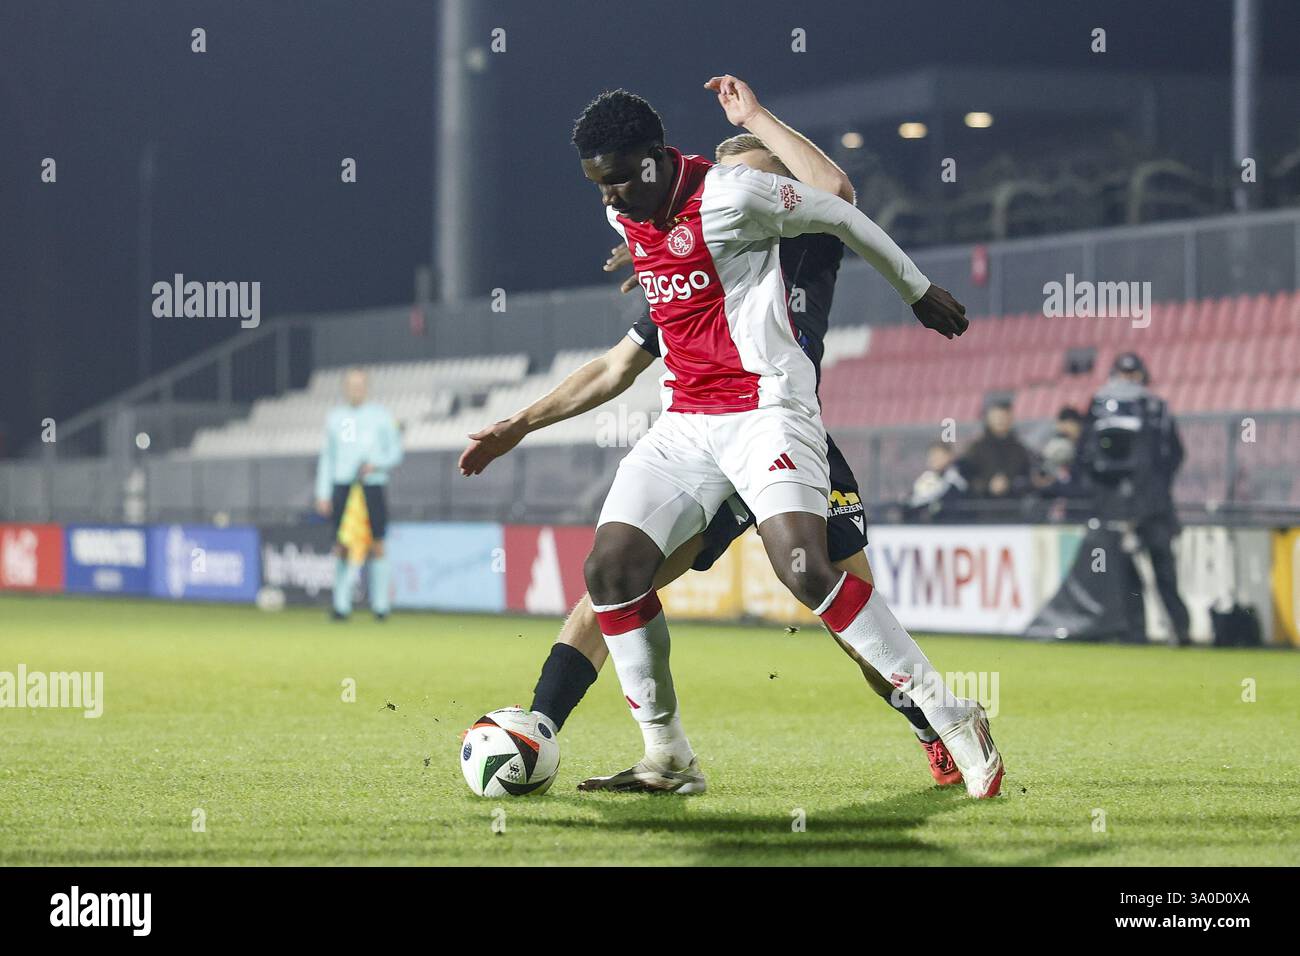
[[896, 831]]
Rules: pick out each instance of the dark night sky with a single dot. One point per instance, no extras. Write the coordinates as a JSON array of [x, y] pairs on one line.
[[250, 135]]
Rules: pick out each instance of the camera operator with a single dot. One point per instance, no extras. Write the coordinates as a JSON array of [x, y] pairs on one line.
[[1128, 456]]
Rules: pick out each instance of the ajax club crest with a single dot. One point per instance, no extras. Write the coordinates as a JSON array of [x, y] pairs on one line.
[[681, 241]]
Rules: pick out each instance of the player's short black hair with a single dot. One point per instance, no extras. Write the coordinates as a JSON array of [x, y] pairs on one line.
[[614, 122]]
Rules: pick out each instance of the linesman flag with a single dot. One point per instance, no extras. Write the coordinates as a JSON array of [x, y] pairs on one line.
[[354, 529]]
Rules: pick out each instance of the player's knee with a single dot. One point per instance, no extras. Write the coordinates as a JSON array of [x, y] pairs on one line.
[[809, 581], [377, 549], [612, 578]]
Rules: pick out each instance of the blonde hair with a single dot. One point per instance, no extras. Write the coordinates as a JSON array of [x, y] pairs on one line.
[[744, 143]]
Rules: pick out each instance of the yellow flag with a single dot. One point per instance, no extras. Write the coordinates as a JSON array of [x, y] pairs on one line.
[[354, 529]]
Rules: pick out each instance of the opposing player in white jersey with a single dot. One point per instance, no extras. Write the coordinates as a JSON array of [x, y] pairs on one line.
[[741, 416]]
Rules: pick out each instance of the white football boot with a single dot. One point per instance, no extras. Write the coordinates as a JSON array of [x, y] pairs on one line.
[[973, 750], [649, 777]]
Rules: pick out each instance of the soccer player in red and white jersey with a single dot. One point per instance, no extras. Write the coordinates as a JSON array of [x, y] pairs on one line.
[[741, 416], [809, 263]]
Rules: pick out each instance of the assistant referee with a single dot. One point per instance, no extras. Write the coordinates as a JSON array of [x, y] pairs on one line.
[[362, 444]]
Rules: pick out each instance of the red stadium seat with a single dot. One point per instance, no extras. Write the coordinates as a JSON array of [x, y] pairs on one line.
[[1290, 349], [1200, 358], [1161, 313], [1245, 308], [1078, 332], [1221, 394], [1003, 369], [1159, 362], [1250, 317], [1281, 355], [1217, 322], [1279, 394], [1029, 403], [884, 341], [991, 334], [1164, 319], [1014, 369], [968, 407], [1176, 395], [1115, 332], [1040, 332], [1285, 313], [1236, 353], [1193, 322], [1190, 361], [1241, 358], [1039, 367], [1258, 393], [1019, 328]]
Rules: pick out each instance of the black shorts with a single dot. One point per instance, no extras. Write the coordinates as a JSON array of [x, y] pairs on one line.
[[376, 506], [846, 521]]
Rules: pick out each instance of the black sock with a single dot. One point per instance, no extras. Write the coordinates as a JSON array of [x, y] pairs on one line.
[[903, 704], [566, 675]]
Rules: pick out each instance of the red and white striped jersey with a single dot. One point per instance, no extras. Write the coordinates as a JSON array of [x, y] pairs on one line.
[[710, 267]]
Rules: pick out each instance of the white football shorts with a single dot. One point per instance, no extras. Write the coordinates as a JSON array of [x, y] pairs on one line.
[[676, 477]]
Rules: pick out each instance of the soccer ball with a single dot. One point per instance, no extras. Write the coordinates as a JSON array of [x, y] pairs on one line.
[[510, 752]]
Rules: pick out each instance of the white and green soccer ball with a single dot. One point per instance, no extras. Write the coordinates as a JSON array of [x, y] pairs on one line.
[[510, 753]]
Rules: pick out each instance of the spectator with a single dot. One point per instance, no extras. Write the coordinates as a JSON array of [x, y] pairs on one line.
[[941, 482], [997, 464], [1057, 475]]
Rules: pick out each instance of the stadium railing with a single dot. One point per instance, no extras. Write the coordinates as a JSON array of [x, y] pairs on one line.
[[1223, 480]]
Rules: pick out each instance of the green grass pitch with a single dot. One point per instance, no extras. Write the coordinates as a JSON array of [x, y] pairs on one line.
[[240, 714]]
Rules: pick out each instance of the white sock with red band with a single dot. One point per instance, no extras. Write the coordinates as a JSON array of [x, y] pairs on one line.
[[637, 636], [857, 612]]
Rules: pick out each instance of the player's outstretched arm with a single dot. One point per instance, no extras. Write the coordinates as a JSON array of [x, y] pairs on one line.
[[763, 204], [590, 386], [933, 306], [800, 154]]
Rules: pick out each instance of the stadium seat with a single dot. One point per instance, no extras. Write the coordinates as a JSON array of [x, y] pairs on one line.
[[1236, 353]]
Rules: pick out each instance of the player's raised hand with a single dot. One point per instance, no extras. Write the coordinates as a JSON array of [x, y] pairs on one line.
[[735, 97], [488, 444], [938, 310], [619, 257]]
